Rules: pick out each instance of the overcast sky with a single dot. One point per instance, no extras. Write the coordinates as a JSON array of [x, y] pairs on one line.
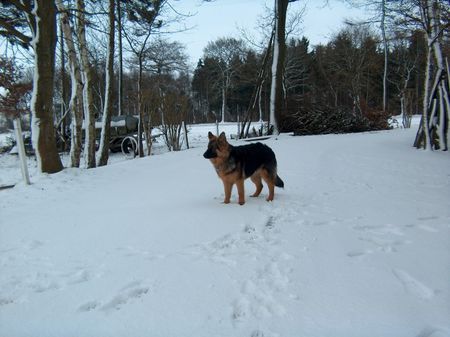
[[223, 18]]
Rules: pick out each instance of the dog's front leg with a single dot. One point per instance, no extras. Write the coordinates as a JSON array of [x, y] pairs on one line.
[[240, 188], [227, 188]]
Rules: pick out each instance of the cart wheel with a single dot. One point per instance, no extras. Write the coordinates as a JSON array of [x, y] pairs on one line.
[[129, 146]]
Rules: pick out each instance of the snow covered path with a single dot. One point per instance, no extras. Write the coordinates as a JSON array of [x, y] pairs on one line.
[[358, 244]]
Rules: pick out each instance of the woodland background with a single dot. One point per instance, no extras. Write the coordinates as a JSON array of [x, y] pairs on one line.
[[94, 60]]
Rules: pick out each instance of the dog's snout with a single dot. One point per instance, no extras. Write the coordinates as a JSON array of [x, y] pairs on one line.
[[209, 154]]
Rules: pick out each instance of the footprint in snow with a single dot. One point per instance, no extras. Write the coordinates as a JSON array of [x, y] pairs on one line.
[[359, 253], [413, 286], [118, 301], [259, 295], [42, 282], [433, 332], [380, 229], [127, 294], [270, 223], [6, 301], [428, 218], [385, 245], [35, 244], [259, 333], [79, 276], [89, 306], [428, 228]]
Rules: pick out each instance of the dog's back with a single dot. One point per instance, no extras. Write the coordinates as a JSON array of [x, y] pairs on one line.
[[253, 157]]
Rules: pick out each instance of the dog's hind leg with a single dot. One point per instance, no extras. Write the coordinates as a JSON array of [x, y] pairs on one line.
[[256, 178], [270, 184]]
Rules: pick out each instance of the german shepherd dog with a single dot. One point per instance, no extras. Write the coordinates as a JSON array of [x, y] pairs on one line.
[[234, 164]]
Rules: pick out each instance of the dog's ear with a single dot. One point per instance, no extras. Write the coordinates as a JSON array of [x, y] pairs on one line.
[[210, 135], [222, 139]]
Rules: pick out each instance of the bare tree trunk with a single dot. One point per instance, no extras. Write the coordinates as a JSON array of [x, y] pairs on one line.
[[448, 74], [273, 88], [88, 101], [76, 99], [63, 91], [433, 132], [140, 110], [279, 52], [224, 100], [108, 108], [443, 97], [148, 136], [405, 102], [186, 134], [385, 47], [257, 93], [119, 29], [138, 50], [43, 134], [423, 134], [147, 119]]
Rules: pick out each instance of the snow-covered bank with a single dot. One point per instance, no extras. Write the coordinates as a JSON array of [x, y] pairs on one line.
[[358, 244]]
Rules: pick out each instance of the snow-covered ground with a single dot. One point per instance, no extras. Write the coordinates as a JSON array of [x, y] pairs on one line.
[[357, 244]]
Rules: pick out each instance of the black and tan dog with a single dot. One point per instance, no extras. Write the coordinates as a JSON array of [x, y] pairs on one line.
[[234, 164]]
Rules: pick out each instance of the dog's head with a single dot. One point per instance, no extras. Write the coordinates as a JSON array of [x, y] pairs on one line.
[[218, 147]]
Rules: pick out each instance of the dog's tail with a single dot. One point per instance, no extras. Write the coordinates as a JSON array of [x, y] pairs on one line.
[[279, 182]]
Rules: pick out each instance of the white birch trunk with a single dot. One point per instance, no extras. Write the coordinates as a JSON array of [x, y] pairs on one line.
[[444, 105], [448, 75], [224, 101], [260, 104], [76, 103], [273, 87], [406, 113], [385, 46], [441, 133], [103, 152], [119, 35], [279, 54], [88, 101], [439, 89], [426, 102], [76, 108]]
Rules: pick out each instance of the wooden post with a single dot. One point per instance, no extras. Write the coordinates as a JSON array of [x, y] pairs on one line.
[[21, 150]]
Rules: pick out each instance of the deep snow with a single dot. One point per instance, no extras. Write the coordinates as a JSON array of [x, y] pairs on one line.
[[357, 244]]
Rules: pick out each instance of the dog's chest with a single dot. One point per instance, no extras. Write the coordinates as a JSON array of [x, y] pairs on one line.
[[226, 168]]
